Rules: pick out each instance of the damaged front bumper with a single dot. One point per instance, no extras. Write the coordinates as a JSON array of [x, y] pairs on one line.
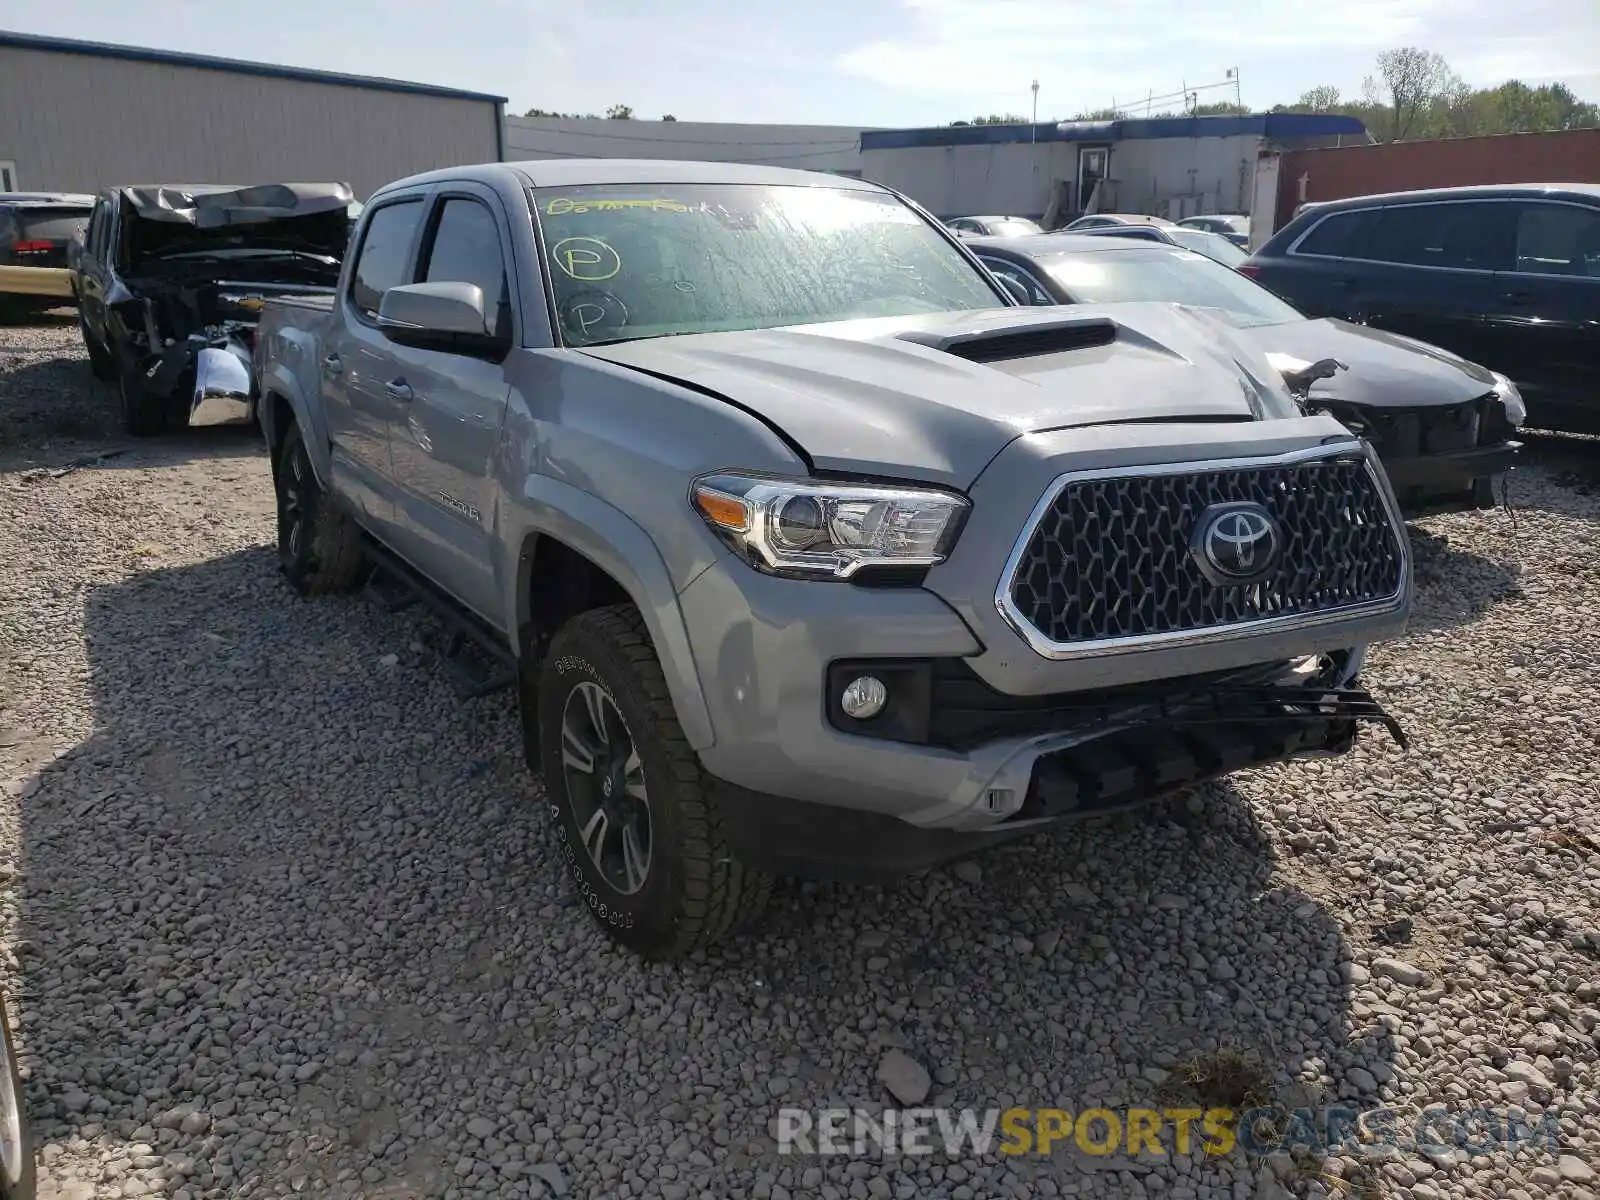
[[1105, 753]]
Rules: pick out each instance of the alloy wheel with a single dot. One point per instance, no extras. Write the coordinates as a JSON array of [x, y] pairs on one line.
[[293, 489], [605, 786]]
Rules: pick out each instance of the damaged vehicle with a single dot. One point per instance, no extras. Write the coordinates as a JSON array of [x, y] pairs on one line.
[[171, 280], [808, 550], [1444, 428]]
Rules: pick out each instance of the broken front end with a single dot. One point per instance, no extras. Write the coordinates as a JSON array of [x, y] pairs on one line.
[[195, 267]]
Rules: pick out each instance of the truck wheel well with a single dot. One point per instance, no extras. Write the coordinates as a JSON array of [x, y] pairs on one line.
[[281, 417], [558, 584]]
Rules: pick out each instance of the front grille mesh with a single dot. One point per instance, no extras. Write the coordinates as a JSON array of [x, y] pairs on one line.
[[1110, 558]]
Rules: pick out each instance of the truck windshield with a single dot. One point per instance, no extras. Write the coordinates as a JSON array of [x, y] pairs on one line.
[[638, 261]]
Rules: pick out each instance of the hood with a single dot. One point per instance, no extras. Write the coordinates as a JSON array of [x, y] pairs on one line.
[[935, 398], [196, 222], [1386, 369], [211, 206]]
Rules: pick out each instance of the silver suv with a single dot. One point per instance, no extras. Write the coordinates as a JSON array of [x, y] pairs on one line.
[[813, 551]]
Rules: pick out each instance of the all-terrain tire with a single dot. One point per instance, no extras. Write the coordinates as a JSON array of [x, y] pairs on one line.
[[695, 891], [319, 547], [101, 365], [18, 1175], [143, 414]]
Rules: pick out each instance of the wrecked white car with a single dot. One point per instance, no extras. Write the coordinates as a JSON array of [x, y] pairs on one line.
[[170, 281]]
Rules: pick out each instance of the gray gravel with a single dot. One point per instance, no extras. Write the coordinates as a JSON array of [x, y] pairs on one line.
[[282, 916]]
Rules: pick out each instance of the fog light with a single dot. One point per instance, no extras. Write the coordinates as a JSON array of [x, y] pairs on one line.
[[863, 697]]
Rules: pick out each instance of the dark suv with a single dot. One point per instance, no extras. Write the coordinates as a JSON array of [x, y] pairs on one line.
[[1508, 276], [36, 229]]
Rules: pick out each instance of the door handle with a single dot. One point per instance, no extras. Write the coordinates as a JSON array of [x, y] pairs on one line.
[[1517, 297], [1344, 285], [398, 389], [332, 365]]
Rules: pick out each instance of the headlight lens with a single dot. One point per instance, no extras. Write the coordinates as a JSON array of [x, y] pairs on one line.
[[820, 530], [1511, 397]]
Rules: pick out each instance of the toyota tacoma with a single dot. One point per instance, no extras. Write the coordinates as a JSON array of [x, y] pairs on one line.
[[809, 549]]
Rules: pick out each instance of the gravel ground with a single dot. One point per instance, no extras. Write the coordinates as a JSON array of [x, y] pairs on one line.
[[282, 916]]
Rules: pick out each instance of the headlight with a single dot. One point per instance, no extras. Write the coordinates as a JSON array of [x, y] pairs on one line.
[[1511, 397], [820, 530]]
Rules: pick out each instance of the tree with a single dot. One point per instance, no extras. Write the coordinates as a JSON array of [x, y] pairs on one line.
[[1099, 114], [995, 119], [619, 112], [669, 117], [1222, 108], [1317, 99], [1409, 82]]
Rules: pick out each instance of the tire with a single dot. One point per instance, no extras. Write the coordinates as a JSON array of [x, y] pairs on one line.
[[319, 547], [101, 364], [143, 415], [18, 1179], [679, 889]]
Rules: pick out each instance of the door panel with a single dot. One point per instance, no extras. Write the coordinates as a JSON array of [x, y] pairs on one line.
[[1544, 328], [356, 362], [450, 409]]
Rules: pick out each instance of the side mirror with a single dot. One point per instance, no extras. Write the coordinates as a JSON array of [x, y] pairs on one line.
[[439, 316]]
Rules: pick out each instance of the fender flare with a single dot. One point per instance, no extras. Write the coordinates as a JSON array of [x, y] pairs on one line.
[[275, 380], [610, 539]]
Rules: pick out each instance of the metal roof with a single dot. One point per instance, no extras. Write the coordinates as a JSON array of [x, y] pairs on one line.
[[1279, 126], [584, 172], [205, 62]]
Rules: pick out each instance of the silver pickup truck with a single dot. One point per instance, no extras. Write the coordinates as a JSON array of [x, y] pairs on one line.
[[811, 551]]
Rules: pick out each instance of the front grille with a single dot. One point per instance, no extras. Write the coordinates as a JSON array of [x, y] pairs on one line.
[[1110, 558]]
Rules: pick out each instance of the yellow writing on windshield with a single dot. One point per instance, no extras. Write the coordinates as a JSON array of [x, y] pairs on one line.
[[562, 205], [585, 258]]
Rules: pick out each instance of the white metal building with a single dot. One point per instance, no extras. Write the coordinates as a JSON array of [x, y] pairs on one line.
[[1167, 166], [834, 148], [81, 116]]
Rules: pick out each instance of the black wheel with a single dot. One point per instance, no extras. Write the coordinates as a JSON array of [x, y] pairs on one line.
[[101, 364], [143, 414], [319, 547], [17, 1175], [640, 833]]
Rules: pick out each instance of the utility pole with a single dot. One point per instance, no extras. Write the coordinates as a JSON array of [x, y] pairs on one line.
[[1035, 110]]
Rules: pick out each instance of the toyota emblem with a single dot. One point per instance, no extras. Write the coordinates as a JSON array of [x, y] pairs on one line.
[[1237, 543]]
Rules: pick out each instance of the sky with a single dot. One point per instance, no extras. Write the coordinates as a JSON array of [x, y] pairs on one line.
[[856, 62]]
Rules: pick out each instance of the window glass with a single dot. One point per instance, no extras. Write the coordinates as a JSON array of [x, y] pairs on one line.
[[383, 256], [51, 224], [633, 261], [1170, 275], [1008, 270], [1016, 227], [466, 249], [1558, 239], [1442, 235], [1213, 245], [1338, 236]]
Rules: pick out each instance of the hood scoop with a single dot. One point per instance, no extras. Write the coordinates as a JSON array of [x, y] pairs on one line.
[[1002, 345]]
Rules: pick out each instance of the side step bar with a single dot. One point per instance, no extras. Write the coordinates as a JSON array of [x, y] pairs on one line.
[[474, 654]]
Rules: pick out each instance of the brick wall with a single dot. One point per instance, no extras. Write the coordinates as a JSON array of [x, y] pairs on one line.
[[1337, 172]]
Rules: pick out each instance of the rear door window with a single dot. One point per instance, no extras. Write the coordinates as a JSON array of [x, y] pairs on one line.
[[385, 253], [1343, 235], [1558, 239], [1474, 236]]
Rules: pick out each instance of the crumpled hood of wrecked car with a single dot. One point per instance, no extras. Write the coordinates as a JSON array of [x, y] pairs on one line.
[[1386, 370], [897, 397]]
